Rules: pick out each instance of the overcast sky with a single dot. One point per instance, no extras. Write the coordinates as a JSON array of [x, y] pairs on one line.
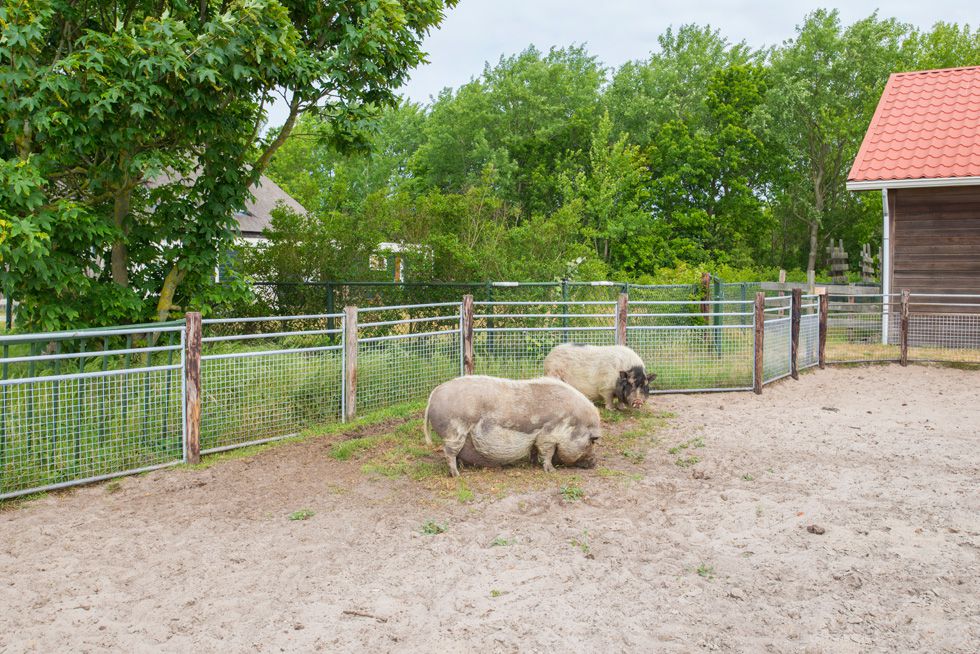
[[480, 31]]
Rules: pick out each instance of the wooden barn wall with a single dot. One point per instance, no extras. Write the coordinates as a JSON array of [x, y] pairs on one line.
[[935, 239]]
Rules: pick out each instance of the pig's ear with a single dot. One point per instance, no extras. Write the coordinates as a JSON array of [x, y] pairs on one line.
[[651, 376], [624, 374]]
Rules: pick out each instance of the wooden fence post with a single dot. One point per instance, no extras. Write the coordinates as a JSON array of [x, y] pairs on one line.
[[758, 371], [795, 332], [467, 334], [904, 333], [192, 387], [824, 310], [350, 362], [622, 314]]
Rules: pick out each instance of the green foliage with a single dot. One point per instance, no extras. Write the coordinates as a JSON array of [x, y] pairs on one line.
[[131, 136], [302, 514], [433, 528]]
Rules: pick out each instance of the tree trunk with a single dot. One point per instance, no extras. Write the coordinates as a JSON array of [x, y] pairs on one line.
[[170, 284], [120, 255], [811, 261]]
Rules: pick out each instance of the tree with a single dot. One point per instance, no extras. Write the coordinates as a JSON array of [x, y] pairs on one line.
[[101, 99], [827, 82], [524, 117], [612, 193]]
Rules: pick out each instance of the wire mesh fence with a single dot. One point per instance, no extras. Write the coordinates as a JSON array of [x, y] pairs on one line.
[[777, 339], [269, 378], [863, 328], [808, 352], [403, 359], [512, 338], [689, 347], [86, 405], [944, 328]]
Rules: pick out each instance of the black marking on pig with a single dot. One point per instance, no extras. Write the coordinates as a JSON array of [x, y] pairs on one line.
[[634, 378]]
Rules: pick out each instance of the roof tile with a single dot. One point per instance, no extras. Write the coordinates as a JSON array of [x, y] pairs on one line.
[[927, 125]]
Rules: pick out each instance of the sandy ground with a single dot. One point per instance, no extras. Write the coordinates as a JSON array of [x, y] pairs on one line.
[[885, 459]]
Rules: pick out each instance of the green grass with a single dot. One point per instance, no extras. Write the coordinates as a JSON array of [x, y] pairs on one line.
[[688, 461], [582, 543], [432, 528], [571, 492], [501, 541], [705, 571], [302, 514]]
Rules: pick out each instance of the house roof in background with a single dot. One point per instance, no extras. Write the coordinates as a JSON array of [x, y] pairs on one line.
[[257, 214], [926, 127]]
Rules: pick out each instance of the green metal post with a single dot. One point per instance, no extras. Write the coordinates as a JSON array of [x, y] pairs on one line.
[[330, 310], [564, 309]]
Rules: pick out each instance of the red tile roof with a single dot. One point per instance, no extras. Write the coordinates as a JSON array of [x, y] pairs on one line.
[[926, 126]]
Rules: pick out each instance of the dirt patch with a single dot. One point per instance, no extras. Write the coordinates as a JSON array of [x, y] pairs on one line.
[[646, 553]]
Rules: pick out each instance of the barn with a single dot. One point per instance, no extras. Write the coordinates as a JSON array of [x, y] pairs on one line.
[[922, 153]]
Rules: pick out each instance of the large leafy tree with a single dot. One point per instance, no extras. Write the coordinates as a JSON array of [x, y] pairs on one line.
[[828, 80], [132, 132], [525, 116]]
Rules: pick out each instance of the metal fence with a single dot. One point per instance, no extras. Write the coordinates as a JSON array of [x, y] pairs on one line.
[[268, 378], [694, 345], [87, 405]]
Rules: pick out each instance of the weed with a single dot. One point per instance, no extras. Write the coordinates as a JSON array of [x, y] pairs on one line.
[[687, 462], [694, 442], [758, 511], [497, 593], [748, 477], [706, 571], [431, 528], [302, 514], [113, 486], [571, 492], [463, 492], [633, 455], [582, 543], [500, 541]]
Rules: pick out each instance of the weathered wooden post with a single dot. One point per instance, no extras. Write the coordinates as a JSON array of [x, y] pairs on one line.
[[350, 362], [795, 332], [824, 310], [904, 333], [467, 335], [622, 313], [758, 371], [192, 387]]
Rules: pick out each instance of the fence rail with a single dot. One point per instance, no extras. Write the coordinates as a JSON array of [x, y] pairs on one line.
[[87, 405]]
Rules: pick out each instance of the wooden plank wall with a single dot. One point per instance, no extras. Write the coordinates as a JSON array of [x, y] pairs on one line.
[[935, 240]]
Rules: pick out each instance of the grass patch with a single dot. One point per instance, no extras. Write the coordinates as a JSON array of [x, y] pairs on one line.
[[113, 486], [582, 543], [432, 528], [500, 541], [571, 492], [687, 462], [680, 447], [302, 514], [497, 593], [706, 571], [747, 477], [463, 493]]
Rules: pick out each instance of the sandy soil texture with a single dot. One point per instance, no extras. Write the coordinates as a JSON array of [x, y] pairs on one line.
[[703, 547]]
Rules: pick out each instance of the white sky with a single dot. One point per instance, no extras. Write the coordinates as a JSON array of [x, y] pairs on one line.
[[616, 31]]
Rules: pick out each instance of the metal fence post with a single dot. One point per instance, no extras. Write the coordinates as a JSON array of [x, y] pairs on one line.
[[904, 334], [564, 309], [706, 296], [759, 318], [795, 332], [824, 310], [192, 388], [467, 335], [622, 314], [330, 309], [350, 362]]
